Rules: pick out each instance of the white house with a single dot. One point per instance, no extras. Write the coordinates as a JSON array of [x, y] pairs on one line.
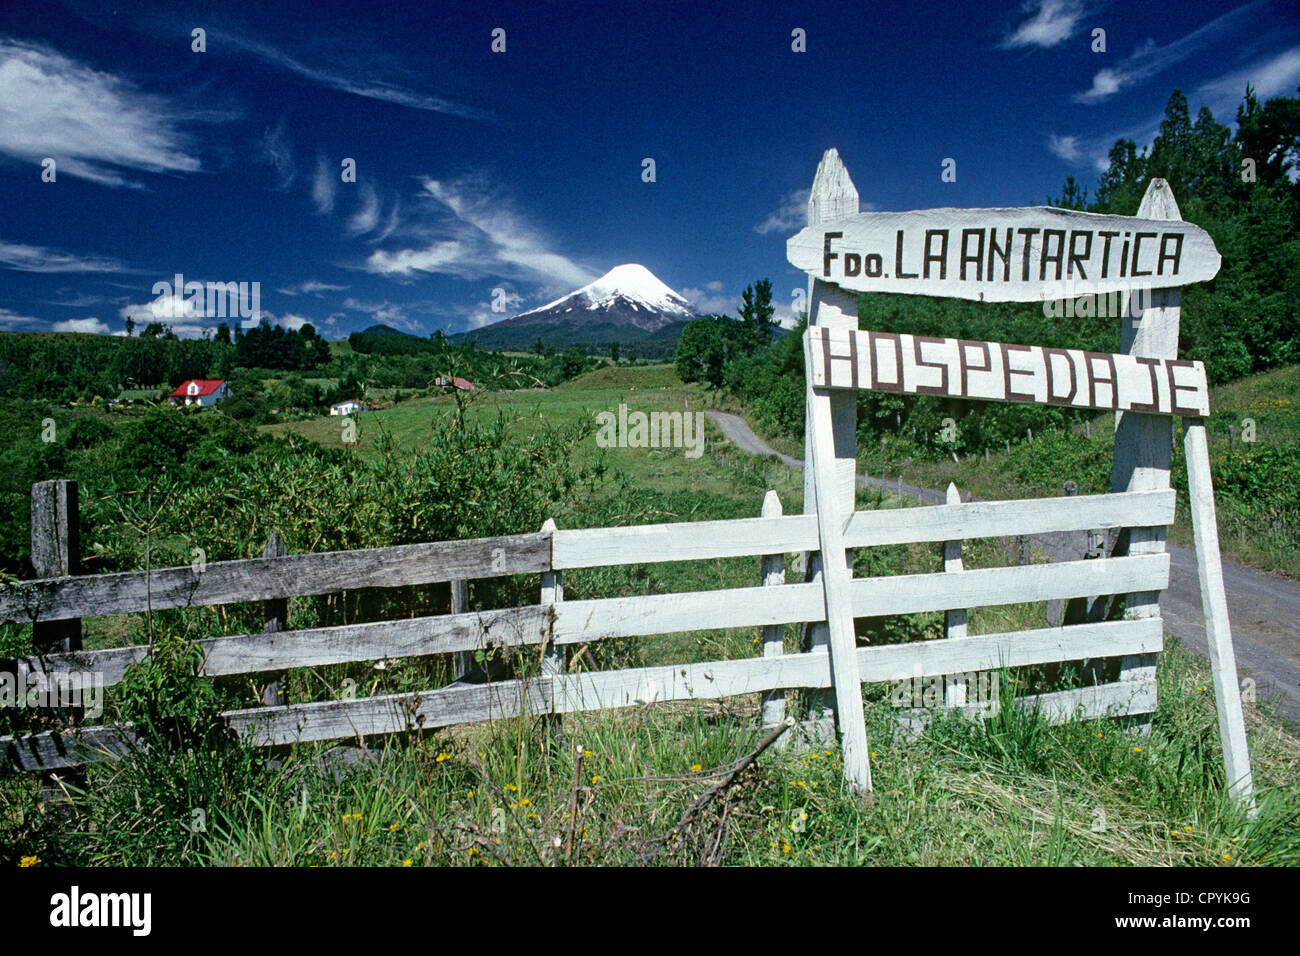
[[346, 408], [200, 391]]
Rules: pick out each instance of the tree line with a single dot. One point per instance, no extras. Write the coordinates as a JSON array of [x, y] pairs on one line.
[[1241, 187]]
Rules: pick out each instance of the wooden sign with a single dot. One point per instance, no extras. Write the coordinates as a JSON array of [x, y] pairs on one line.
[[1003, 255], [995, 371]]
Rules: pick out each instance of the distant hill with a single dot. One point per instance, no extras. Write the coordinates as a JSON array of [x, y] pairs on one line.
[[382, 329], [627, 305]]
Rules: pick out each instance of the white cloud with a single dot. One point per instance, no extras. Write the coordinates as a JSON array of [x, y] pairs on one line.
[[311, 287], [714, 286], [10, 319], [93, 124], [324, 184], [790, 216], [1276, 76], [1051, 22], [385, 313], [1150, 58], [90, 324], [26, 258], [710, 303], [367, 216], [276, 150], [375, 89], [483, 236], [1066, 147]]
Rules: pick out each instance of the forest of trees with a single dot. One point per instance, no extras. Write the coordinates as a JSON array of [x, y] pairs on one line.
[[1241, 188]]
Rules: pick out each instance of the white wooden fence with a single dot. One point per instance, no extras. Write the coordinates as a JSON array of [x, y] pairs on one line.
[[556, 623]]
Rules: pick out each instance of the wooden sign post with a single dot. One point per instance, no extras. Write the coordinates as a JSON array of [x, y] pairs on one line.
[[1012, 255], [830, 483]]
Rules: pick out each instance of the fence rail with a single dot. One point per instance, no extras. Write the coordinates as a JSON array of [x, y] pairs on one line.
[[557, 623]]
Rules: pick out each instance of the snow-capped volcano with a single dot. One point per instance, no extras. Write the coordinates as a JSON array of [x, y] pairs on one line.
[[632, 291], [628, 304]]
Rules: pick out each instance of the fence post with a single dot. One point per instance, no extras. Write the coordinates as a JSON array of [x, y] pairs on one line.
[[462, 660], [1142, 456], [276, 614], [772, 568], [832, 196], [56, 553], [954, 625], [554, 659]]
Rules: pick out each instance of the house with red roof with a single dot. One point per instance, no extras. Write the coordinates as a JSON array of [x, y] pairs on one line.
[[200, 391]]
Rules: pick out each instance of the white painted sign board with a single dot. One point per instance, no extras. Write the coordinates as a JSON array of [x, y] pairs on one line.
[[1012, 255], [995, 371], [1003, 255]]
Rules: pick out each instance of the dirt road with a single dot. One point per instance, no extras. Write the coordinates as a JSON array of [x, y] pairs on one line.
[[1264, 608]]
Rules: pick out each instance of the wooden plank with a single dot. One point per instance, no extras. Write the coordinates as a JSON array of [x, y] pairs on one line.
[[772, 572], [987, 652], [56, 552], [391, 713], [832, 196], [260, 579], [1142, 453], [1028, 254], [954, 623], [277, 619], [461, 661], [465, 703], [554, 656], [1214, 601], [700, 540], [682, 541], [588, 620], [54, 750], [836, 581], [315, 647], [1001, 372]]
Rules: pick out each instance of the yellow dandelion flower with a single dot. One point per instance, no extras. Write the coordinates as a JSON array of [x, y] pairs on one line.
[[444, 756], [525, 802], [1227, 858], [696, 768], [1137, 750], [471, 794], [30, 861], [406, 863], [393, 827], [471, 851], [785, 848], [595, 778], [511, 788]]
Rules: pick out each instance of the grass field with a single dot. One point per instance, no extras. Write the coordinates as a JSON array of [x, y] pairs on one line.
[[1009, 791]]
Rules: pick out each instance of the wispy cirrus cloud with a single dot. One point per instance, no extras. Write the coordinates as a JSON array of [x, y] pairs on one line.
[[479, 233], [93, 124], [790, 215], [275, 149], [26, 258], [1047, 23], [367, 82], [324, 187], [1151, 58], [1277, 75], [311, 287], [10, 319]]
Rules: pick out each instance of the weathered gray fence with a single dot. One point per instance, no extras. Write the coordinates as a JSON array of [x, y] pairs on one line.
[[556, 622]]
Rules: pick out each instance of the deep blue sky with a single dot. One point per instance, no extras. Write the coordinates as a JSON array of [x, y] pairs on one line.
[[522, 170]]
